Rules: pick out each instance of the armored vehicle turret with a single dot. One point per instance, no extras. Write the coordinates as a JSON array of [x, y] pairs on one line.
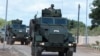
[[17, 21], [51, 12], [16, 31], [50, 33]]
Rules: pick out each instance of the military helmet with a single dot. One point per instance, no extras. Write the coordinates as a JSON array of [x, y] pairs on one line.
[[52, 5]]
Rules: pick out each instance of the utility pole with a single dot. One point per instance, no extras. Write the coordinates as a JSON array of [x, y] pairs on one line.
[[6, 14], [78, 23], [86, 32]]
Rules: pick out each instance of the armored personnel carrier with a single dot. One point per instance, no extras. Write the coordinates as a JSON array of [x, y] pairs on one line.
[[2, 35], [16, 31], [50, 33]]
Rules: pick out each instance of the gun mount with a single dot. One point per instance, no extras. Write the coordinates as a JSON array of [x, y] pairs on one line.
[[17, 21], [51, 12]]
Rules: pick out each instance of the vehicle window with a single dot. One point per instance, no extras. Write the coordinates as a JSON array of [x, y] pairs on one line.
[[60, 21], [47, 20], [23, 26], [15, 26]]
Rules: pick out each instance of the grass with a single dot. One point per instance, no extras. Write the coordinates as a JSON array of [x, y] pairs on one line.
[[94, 32]]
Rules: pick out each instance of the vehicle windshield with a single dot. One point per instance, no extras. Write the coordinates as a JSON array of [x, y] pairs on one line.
[[19, 26], [15, 26], [47, 20], [60, 21], [22, 26]]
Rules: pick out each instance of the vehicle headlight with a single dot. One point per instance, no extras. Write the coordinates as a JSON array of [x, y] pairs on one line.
[[13, 37], [42, 43], [70, 44]]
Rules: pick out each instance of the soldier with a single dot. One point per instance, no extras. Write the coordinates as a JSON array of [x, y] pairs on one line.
[[52, 7]]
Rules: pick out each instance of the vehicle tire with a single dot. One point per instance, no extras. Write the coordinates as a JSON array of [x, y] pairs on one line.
[[69, 53], [22, 42], [2, 40], [61, 54], [27, 42], [11, 41]]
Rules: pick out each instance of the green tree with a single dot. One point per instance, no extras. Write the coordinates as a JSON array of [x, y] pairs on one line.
[[95, 13], [2, 22], [75, 27], [75, 23]]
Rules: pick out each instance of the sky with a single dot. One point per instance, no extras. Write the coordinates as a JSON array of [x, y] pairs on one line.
[[26, 9]]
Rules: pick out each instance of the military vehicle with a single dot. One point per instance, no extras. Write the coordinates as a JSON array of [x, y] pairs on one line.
[[51, 33], [2, 35], [16, 31]]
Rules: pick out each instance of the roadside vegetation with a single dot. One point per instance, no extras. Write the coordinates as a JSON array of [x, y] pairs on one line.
[[93, 32], [82, 31]]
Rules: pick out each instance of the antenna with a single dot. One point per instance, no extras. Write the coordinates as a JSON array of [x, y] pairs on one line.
[[35, 16], [62, 6]]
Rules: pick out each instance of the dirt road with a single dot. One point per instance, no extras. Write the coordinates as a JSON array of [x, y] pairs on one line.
[[24, 50], [8, 50], [81, 51]]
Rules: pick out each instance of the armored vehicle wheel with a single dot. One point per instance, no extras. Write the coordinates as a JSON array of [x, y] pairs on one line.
[[61, 54], [27, 42], [2, 40], [22, 42], [11, 42], [69, 53]]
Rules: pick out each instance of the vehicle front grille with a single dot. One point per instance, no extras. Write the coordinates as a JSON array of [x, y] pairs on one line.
[[56, 38], [20, 34]]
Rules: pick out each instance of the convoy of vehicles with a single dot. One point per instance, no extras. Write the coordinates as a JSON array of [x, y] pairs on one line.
[[50, 32]]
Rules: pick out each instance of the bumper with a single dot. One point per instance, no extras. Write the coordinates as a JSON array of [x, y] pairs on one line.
[[20, 39], [58, 47], [46, 44]]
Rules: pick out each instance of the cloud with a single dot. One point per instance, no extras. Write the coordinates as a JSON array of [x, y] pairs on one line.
[[26, 9], [35, 7], [70, 16], [2, 11], [1, 8]]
